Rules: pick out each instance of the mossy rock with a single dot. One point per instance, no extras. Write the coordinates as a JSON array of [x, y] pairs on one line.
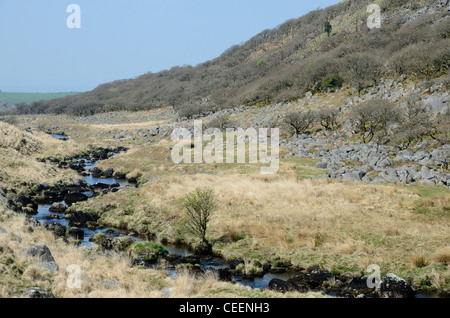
[[103, 240], [74, 233], [189, 267], [39, 199], [148, 250], [122, 243], [98, 237]]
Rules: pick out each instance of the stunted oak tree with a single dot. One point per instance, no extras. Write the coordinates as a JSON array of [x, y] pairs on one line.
[[374, 116], [414, 106], [222, 122], [412, 130], [417, 123], [328, 118], [300, 121], [362, 69]]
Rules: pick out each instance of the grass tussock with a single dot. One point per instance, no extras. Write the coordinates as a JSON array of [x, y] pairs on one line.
[[442, 255], [419, 260]]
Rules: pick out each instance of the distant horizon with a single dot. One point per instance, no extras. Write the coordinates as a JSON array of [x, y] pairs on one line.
[[2, 91], [45, 56]]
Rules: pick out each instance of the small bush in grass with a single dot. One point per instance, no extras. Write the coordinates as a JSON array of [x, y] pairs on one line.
[[200, 205], [34, 273], [327, 27]]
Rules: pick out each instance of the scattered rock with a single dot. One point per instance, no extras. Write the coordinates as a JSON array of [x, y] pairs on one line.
[[322, 165], [108, 173], [280, 286], [358, 286], [96, 172], [80, 218], [41, 187], [36, 292], [142, 262], [91, 225], [76, 233], [58, 208], [393, 286], [24, 203], [109, 284], [51, 217], [311, 281], [71, 198], [58, 229], [42, 253], [119, 175]]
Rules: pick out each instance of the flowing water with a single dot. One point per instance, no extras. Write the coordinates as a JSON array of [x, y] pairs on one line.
[[205, 263], [214, 263]]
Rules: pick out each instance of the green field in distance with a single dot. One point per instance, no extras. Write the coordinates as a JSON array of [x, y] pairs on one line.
[[16, 98]]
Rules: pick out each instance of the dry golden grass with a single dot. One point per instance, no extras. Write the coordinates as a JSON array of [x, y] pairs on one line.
[[19, 151], [138, 125], [189, 285], [442, 255], [135, 174], [36, 143], [342, 224], [96, 267], [102, 275], [285, 214], [22, 142]]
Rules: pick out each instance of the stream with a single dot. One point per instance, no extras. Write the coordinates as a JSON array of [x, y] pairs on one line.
[[205, 263]]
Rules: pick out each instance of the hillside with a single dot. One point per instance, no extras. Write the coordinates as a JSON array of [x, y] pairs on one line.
[[284, 63], [335, 203], [360, 145], [18, 152]]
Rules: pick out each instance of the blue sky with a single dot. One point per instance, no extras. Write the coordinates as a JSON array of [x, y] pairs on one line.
[[124, 38]]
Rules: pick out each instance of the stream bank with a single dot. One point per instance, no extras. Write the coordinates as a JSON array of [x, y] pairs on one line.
[[48, 206]]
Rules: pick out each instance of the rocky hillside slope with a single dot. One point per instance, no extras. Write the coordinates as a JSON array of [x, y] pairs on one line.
[[284, 63], [340, 153]]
